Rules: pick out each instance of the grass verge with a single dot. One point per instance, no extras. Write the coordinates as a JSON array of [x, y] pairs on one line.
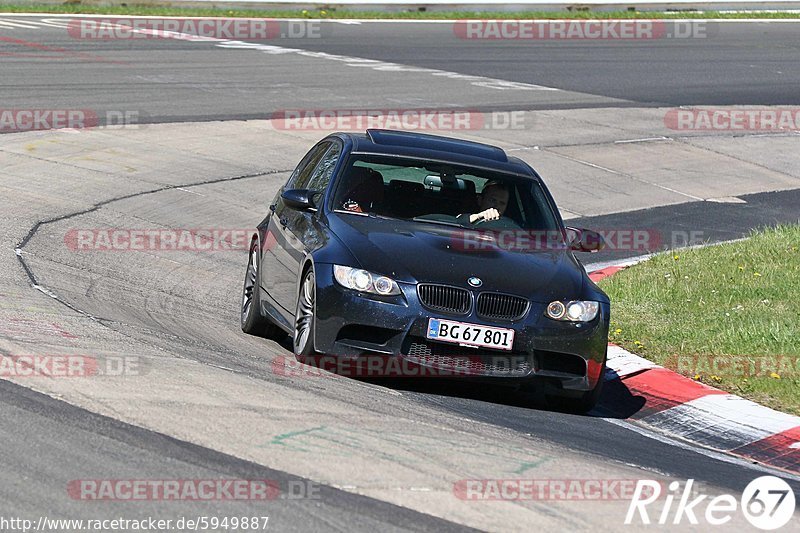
[[726, 315], [156, 9]]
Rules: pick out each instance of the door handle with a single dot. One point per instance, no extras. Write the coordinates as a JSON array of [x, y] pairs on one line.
[[284, 221]]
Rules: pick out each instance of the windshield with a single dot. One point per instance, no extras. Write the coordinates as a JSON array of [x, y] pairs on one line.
[[442, 193]]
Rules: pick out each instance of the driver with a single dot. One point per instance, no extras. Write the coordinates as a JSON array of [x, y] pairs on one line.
[[492, 203], [365, 192]]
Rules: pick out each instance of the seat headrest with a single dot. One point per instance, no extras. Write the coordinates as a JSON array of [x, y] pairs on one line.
[[362, 175], [365, 185]]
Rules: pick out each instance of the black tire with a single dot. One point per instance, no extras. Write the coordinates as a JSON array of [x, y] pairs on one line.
[[303, 337], [252, 321]]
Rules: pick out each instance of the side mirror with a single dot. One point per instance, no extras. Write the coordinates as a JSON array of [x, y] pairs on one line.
[[302, 199], [584, 240]]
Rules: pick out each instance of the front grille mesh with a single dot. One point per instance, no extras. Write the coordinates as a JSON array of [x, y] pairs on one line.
[[501, 306], [444, 298], [461, 361]]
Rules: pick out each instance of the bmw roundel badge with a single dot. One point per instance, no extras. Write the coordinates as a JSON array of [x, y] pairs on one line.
[[475, 282]]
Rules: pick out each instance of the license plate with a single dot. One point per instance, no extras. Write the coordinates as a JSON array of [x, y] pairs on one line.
[[470, 334]]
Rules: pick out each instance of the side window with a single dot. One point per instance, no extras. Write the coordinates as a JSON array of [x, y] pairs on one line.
[[306, 166], [320, 177]]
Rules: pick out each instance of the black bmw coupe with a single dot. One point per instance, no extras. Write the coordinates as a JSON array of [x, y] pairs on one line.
[[438, 253]]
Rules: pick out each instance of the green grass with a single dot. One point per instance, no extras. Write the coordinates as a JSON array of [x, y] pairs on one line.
[[736, 302], [156, 9]]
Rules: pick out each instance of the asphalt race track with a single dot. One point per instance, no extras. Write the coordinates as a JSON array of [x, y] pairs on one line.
[[201, 400], [173, 80]]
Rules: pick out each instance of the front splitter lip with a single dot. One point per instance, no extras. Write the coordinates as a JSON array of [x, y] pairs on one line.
[[372, 365]]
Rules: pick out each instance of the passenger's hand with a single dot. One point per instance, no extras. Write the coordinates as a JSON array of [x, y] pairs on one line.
[[489, 214]]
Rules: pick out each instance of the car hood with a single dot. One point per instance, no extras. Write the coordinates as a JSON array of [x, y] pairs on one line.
[[423, 252]]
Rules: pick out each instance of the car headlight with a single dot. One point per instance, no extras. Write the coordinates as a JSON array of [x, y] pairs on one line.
[[361, 280], [575, 311]]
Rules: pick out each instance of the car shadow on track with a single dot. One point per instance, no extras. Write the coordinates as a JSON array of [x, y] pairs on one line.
[[616, 401]]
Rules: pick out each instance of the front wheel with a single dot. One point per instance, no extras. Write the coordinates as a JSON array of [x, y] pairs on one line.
[[304, 316]]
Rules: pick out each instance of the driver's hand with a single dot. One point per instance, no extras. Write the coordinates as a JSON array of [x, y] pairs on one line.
[[353, 206], [489, 214]]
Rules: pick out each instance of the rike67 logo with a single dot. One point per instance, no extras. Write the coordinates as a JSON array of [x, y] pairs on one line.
[[767, 502]]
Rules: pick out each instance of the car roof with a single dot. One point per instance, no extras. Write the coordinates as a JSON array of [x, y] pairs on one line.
[[436, 148]]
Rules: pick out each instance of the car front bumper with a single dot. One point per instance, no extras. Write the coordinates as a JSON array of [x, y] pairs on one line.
[[353, 325]]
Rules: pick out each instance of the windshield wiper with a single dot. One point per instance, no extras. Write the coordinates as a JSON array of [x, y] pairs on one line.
[[369, 215], [382, 217], [440, 222]]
